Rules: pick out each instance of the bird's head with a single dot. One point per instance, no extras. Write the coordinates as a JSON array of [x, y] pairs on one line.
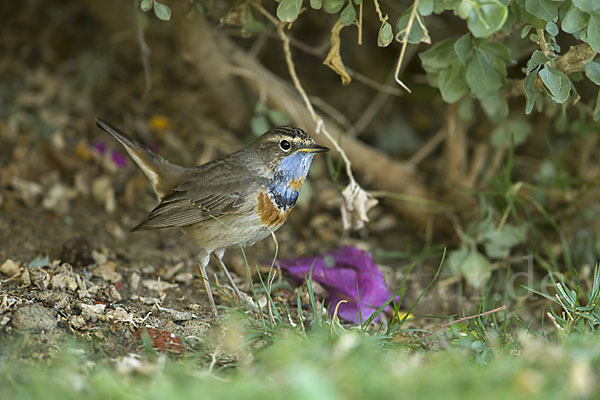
[[288, 150]]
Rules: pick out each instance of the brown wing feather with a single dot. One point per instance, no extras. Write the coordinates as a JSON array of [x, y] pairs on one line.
[[179, 210], [210, 191]]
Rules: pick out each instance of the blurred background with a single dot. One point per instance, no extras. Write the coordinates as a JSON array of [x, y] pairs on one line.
[[486, 157]]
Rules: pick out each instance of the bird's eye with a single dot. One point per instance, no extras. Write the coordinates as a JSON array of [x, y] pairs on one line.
[[285, 145]]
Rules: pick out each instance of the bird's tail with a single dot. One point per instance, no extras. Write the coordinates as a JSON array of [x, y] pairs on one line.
[[163, 175]]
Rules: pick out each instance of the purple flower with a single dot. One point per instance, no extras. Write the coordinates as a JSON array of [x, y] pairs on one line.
[[341, 272], [100, 147], [118, 158]]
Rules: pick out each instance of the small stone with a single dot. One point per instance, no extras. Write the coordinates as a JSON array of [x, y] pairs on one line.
[[149, 300], [177, 315], [119, 315], [77, 322], [25, 278], [134, 281], [40, 278], [63, 281], [184, 277], [113, 294], [148, 269], [91, 312], [158, 286], [33, 317], [104, 193], [10, 268], [107, 272], [171, 271]]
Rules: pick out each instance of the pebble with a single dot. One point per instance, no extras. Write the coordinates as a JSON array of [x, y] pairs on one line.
[[9, 267], [33, 317]]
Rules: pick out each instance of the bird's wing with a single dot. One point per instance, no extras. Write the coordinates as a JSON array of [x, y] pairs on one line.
[[210, 191]]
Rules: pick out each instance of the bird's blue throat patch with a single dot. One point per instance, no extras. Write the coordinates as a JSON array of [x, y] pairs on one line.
[[292, 168]]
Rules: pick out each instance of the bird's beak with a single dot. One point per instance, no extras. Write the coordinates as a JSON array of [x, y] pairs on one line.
[[314, 148]]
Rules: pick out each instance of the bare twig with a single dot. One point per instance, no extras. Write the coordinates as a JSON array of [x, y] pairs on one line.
[[556, 325], [495, 310], [427, 148], [411, 19], [144, 48], [382, 19], [563, 306], [360, 23], [542, 42], [444, 326]]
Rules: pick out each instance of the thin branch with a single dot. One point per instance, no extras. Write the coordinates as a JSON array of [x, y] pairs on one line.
[[360, 22], [495, 310], [144, 49], [427, 148], [411, 19], [379, 13]]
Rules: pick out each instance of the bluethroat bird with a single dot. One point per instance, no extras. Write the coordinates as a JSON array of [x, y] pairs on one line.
[[235, 200]]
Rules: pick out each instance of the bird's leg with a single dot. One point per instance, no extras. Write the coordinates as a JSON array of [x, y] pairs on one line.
[[219, 255], [203, 259]]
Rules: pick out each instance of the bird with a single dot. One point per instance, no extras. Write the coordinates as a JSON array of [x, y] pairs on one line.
[[234, 200]]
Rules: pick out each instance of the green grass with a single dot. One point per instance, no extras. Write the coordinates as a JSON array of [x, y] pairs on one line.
[[346, 366], [253, 359]]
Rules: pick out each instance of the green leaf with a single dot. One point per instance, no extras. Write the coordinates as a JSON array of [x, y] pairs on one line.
[[251, 24], [259, 124], [543, 9], [593, 33], [588, 6], [551, 28], [146, 5], [499, 244], [496, 49], [385, 35], [511, 131], [348, 14], [316, 4], [481, 76], [592, 71], [551, 78], [464, 9], [162, 11], [557, 83], [471, 264], [278, 117], [486, 17], [565, 89], [332, 6], [495, 106], [597, 108], [416, 32], [525, 30], [464, 48], [288, 10], [537, 58], [574, 20], [426, 7], [439, 56], [530, 92], [452, 83], [465, 110]]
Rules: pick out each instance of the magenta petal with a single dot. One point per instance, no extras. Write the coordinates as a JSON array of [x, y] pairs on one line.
[[119, 159], [342, 271], [100, 147]]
